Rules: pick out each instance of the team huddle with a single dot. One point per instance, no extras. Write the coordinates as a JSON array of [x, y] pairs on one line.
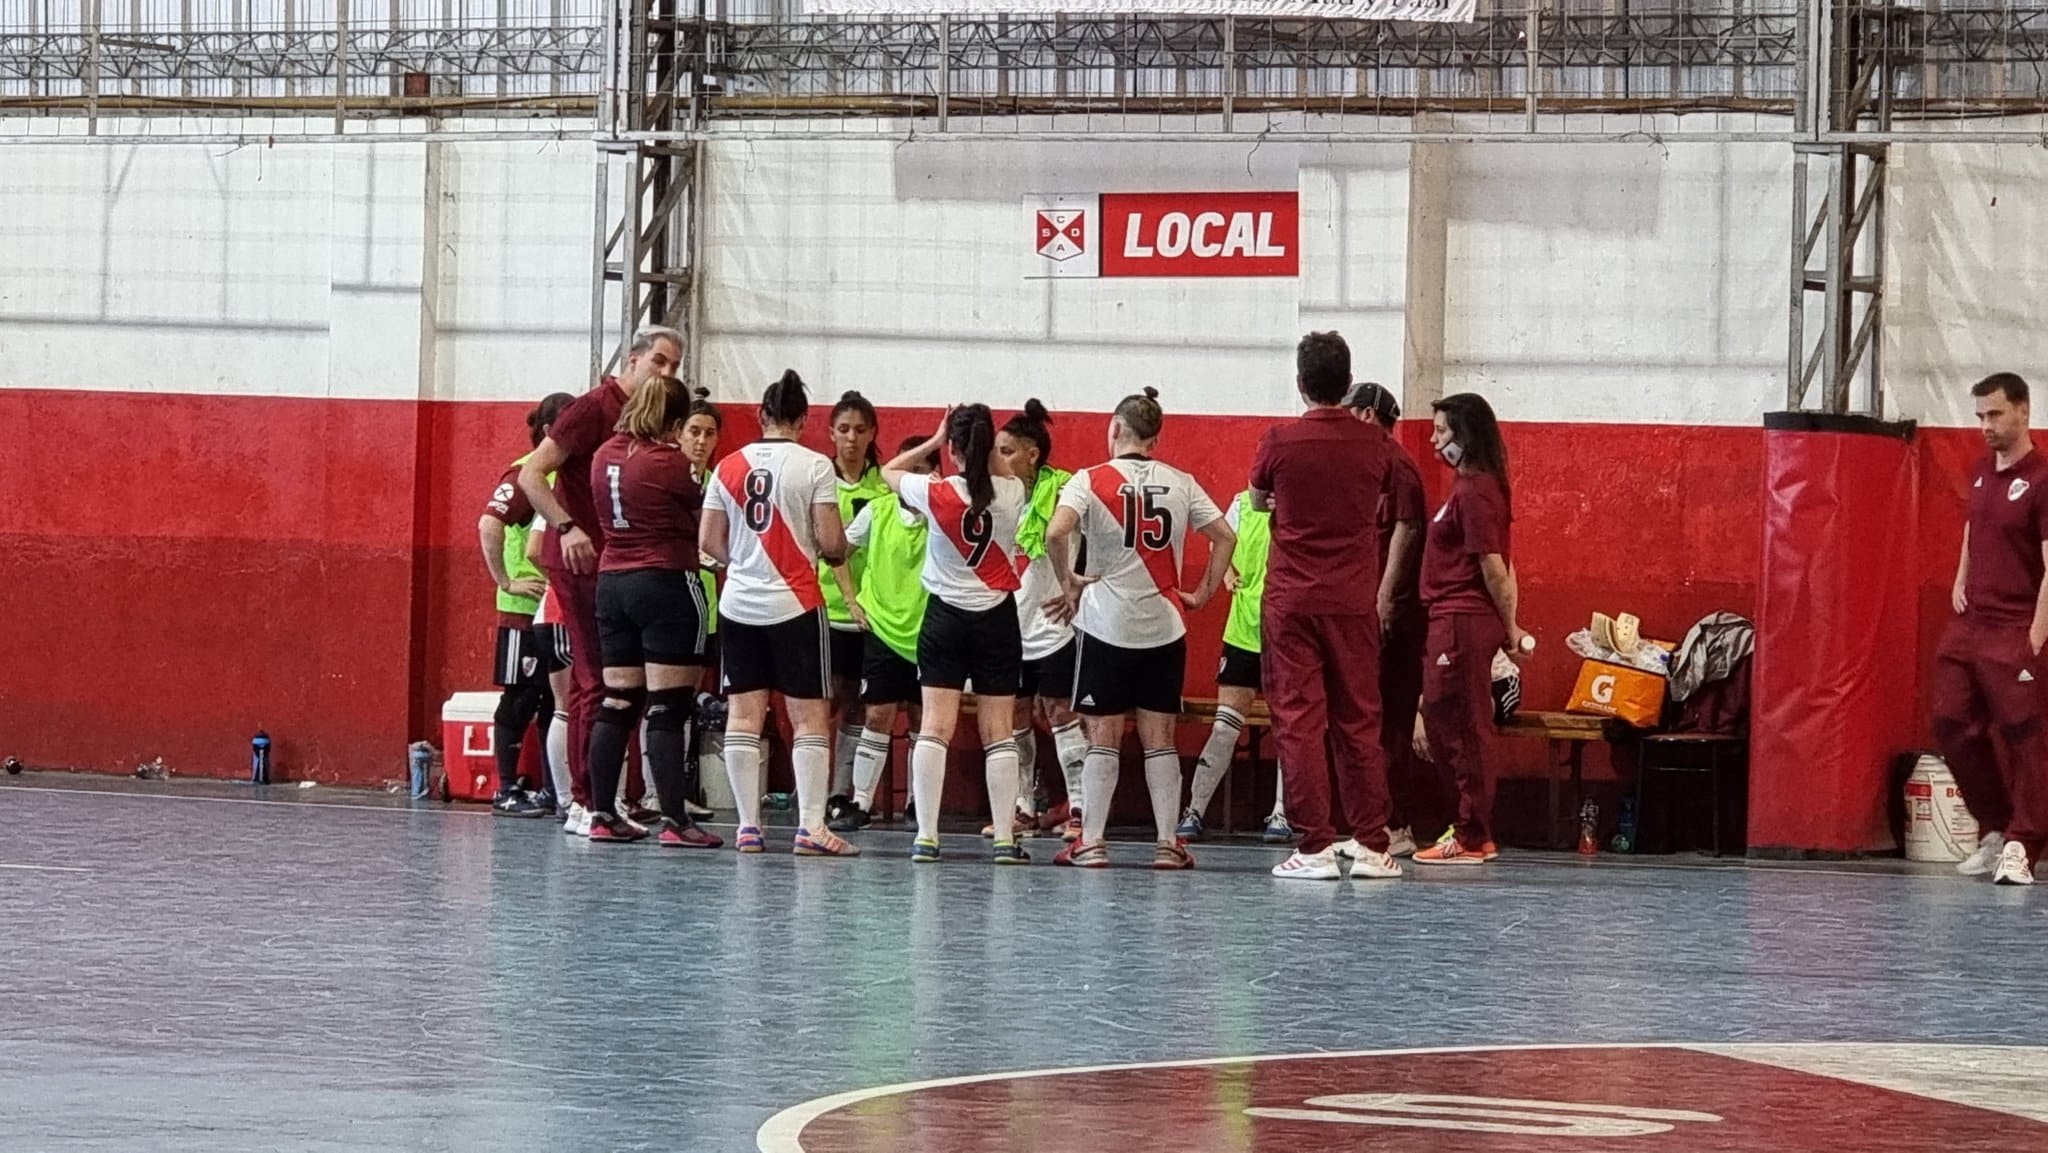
[[632, 561]]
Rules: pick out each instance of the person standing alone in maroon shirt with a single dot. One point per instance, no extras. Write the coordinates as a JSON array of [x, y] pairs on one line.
[[1324, 477], [1989, 673], [575, 536]]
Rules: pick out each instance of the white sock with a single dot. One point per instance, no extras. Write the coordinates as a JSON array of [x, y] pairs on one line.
[[1279, 792], [927, 783], [1098, 785], [1215, 758], [1071, 746], [845, 747], [811, 757], [558, 757], [743, 769], [870, 757], [1026, 740], [1162, 780], [650, 796], [999, 764]]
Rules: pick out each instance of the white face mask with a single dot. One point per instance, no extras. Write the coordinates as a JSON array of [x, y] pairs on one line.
[[1452, 452]]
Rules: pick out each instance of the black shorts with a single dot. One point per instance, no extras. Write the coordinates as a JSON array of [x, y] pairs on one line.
[[1049, 676], [650, 616], [525, 655], [955, 646], [849, 653], [793, 658], [1110, 681], [885, 677], [1241, 669]]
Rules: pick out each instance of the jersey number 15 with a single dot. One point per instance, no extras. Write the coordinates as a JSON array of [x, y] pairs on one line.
[[1145, 523]]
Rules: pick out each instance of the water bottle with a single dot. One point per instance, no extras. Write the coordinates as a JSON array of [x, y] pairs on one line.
[[259, 758], [419, 758], [779, 801], [1589, 829], [1625, 827]]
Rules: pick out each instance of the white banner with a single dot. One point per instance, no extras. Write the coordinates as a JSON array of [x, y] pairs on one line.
[[1433, 11]]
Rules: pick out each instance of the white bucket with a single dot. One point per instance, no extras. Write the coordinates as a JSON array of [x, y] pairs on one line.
[[1938, 827]]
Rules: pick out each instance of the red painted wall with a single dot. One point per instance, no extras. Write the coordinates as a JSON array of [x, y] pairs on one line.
[[183, 569]]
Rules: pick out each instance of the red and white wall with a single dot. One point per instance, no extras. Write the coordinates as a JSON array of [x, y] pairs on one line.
[[256, 396]]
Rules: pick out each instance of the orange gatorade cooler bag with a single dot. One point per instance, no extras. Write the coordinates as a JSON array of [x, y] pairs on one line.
[[1618, 691]]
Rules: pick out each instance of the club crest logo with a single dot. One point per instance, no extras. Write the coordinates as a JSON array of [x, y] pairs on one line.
[[2017, 490], [1062, 233]]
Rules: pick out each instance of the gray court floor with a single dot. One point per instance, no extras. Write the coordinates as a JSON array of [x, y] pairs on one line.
[[191, 968]]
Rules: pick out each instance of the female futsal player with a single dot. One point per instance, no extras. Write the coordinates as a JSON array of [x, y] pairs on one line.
[[858, 469]]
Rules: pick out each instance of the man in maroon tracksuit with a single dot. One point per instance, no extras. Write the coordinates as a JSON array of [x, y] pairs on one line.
[[569, 551], [1324, 476], [1989, 673]]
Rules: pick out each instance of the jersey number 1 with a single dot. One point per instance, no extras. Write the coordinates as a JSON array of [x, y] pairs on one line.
[[1145, 523], [611, 473]]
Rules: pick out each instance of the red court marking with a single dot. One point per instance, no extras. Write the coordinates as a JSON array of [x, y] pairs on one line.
[[1560, 1100]]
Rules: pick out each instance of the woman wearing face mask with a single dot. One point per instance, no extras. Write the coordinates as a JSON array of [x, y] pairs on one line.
[[1468, 584], [858, 468]]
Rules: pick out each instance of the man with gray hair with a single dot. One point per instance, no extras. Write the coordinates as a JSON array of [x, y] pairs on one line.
[[575, 535]]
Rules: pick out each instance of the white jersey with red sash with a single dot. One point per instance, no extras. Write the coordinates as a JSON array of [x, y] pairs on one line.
[[767, 491], [970, 559], [1135, 514]]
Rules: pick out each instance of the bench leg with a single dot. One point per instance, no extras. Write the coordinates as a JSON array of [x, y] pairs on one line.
[[1550, 777]]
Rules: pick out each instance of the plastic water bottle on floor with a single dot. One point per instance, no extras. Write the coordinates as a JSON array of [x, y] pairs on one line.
[[259, 758], [1625, 828], [779, 801], [1589, 829]]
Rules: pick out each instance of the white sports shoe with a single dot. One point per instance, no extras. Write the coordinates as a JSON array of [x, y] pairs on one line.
[[1349, 849], [2012, 866], [1401, 842], [1985, 858], [1371, 866], [1309, 867], [576, 821]]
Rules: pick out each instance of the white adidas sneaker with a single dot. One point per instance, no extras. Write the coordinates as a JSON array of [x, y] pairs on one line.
[[1300, 866], [2013, 868], [1371, 866], [1985, 858], [1401, 842]]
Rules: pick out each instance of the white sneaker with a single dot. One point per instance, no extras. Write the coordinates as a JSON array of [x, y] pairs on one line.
[[1371, 866], [2012, 866], [698, 812], [1985, 858], [574, 819], [1349, 849], [583, 822], [1309, 867], [1401, 842]]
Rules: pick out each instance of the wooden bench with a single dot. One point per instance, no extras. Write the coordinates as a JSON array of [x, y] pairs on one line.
[[1567, 735]]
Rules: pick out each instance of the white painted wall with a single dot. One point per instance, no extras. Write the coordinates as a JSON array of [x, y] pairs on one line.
[[1605, 283]]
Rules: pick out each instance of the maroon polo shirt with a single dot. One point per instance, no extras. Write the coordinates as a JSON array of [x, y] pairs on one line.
[[581, 430], [648, 499], [1328, 473], [508, 506], [1474, 521], [1410, 595], [2008, 521]]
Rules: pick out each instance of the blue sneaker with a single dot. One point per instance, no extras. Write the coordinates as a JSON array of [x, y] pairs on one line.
[[1009, 853], [1278, 831], [1190, 826], [924, 852]]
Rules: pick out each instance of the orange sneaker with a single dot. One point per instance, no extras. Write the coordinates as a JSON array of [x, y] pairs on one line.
[[1455, 852]]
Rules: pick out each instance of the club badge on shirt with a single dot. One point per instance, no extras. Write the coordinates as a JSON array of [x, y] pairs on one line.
[[2017, 490]]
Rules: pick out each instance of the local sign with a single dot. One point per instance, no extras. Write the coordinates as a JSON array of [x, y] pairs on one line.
[[1165, 234]]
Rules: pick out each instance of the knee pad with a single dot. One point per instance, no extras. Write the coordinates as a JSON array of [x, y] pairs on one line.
[[671, 710], [515, 706], [621, 706]]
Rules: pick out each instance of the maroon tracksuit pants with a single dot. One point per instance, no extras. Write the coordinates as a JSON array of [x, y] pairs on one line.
[[1322, 684], [1988, 682], [576, 597], [1400, 696], [1457, 710]]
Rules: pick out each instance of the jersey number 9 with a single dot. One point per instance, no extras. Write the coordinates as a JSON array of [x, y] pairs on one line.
[[1145, 523], [758, 510], [978, 529]]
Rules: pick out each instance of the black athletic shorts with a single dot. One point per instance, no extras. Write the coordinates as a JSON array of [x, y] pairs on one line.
[[1241, 669], [885, 677], [793, 658], [1110, 681], [955, 646], [849, 652], [525, 655], [650, 616], [1049, 676]]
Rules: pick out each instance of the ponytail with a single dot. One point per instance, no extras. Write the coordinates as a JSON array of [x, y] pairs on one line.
[[787, 402], [543, 415], [971, 432], [658, 405]]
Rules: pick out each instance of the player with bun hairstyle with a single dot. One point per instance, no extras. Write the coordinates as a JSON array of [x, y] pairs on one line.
[[771, 514], [524, 657], [1134, 513], [651, 612], [970, 628], [1045, 693], [858, 469], [700, 443]]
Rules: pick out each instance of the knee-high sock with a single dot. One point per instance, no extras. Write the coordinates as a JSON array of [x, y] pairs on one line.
[[667, 734], [1279, 792], [845, 747], [607, 755], [927, 783], [558, 755], [999, 762], [1216, 756], [1098, 785], [869, 760], [1071, 745], [811, 757], [1026, 740], [743, 769], [647, 775], [1162, 780]]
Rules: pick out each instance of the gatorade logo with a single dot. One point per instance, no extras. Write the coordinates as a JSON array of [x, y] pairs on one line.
[[1603, 689]]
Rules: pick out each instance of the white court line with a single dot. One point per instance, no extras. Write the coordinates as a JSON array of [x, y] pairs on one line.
[[782, 1132], [45, 868], [445, 810]]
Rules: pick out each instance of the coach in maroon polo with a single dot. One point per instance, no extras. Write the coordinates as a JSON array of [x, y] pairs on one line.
[[1324, 476]]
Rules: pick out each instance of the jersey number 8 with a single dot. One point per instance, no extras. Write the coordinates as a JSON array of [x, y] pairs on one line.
[[758, 510], [1145, 523]]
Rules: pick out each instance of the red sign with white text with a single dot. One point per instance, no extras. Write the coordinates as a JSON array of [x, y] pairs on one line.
[[1200, 234]]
